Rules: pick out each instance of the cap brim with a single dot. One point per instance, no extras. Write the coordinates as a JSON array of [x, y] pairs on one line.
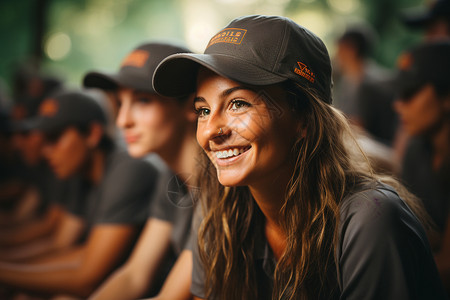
[[176, 75], [111, 82], [101, 80]]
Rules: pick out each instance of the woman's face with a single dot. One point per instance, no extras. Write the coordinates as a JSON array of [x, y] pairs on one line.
[[258, 130], [423, 112], [67, 153], [148, 121]]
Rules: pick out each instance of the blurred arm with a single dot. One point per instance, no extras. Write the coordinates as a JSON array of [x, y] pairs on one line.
[[74, 272], [178, 284], [67, 230], [133, 279]]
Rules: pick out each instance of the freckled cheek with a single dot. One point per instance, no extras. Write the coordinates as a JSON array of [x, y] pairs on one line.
[[248, 127]]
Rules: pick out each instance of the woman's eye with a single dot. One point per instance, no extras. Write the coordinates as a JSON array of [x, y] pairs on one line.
[[239, 104], [143, 99], [202, 112]]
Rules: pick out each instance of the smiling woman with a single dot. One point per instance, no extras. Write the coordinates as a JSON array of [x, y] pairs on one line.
[[294, 211], [253, 144]]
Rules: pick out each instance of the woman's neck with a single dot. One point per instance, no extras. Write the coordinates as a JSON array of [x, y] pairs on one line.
[[441, 145], [181, 156], [270, 198]]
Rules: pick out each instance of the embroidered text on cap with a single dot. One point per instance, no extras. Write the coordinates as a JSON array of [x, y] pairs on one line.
[[229, 35]]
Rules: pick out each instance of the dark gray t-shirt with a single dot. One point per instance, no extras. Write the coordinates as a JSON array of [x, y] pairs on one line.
[[173, 203], [383, 252], [122, 196], [432, 187]]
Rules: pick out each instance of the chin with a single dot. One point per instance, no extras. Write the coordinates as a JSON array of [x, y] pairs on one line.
[[136, 152], [229, 179]]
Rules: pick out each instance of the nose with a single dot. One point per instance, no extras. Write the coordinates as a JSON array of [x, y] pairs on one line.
[[124, 117], [216, 126]]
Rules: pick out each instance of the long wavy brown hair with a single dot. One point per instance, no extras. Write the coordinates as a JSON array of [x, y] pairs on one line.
[[329, 165]]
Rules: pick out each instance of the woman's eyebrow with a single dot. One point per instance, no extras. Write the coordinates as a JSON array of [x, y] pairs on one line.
[[229, 91], [199, 99]]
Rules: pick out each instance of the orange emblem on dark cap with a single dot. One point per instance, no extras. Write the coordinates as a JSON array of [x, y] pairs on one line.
[[48, 108], [137, 59], [305, 72], [228, 35], [405, 61]]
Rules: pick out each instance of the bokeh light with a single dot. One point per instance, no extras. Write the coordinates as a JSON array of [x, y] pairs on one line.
[[58, 46]]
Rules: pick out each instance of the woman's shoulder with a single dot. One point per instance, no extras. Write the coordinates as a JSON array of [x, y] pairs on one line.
[[377, 208]]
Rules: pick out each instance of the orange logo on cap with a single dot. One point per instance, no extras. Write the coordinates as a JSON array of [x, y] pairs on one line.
[[137, 59], [48, 108], [405, 61], [228, 35], [305, 72]]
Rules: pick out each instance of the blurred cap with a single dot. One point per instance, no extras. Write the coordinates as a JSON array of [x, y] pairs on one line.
[[361, 37], [255, 50], [439, 9], [37, 88], [136, 70], [68, 108], [426, 63]]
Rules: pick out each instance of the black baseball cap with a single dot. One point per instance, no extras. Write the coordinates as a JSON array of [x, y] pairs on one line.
[[136, 70], [426, 63], [438, 9], [65, 109], [255, 50]]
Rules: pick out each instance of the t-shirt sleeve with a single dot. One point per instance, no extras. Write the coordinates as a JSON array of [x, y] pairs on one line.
[[383, 251], [198, 272], [126, 192]]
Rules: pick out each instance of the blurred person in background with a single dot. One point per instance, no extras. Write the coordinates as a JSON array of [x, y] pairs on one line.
[[362, 90], [102, 226], [31, 213], [434, 20], [29, 168], [165, 128], [423, 105]]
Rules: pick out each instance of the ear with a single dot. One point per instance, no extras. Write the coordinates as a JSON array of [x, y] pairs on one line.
[[95, 135]]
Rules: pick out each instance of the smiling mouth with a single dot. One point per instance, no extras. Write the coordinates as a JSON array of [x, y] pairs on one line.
[[230, 152]]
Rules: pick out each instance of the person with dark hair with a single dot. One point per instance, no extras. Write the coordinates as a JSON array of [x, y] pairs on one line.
[[362, 88], [163, 127], [103, 223], [424, 107], [291, 211], [434, 20]]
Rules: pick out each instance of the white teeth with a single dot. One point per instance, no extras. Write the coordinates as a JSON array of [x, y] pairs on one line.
[[229, 153]]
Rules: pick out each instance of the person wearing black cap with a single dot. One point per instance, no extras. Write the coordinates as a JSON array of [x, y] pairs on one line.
[[424, 107], [164, 128], [362, 87], [435, 20], [104, 226], [293, 212]]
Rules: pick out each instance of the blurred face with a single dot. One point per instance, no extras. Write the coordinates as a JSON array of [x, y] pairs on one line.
[[248, 135], [30, 146], [148, 121], [67, 153], [438, 30], [421, 113]]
